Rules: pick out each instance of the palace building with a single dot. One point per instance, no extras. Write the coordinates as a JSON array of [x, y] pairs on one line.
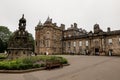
[[53, 39]]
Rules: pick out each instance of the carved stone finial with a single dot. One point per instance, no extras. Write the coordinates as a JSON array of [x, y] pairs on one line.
[[39, 24], [75, 25], [22, 23], [48, 21], [23, 16]]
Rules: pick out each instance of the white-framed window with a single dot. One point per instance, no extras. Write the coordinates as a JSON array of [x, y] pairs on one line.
[[80, 43], [65, 36], [69, 35], [110, 41], [74, 44], [86, 43]]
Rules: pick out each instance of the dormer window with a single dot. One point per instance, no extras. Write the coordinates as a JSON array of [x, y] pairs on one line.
[[110, 41]]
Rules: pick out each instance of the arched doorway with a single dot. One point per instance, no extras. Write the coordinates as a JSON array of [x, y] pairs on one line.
[[110, 52], [97, 51]]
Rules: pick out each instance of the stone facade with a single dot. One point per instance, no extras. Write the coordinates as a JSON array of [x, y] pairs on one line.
[[48, 38], [56, 40]]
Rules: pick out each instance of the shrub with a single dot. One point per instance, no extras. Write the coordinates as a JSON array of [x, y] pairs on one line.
[[29, 62], [3, 56]]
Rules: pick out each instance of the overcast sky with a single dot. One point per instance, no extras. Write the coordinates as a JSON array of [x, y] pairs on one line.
[[85, 13]]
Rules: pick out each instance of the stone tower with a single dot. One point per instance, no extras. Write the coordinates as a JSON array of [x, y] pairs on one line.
[[19, 44], [48, 37]]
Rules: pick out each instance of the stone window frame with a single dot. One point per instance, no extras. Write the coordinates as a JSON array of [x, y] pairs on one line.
[[64, 36], [119, 40], [47, 43], [69, 44], [110, 41], [74, 44], [69, 35], [36, 43], [64, 44], [86, 43], [47, 34], [80, 43]]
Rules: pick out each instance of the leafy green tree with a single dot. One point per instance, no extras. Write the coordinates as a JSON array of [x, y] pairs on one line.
[[5, 34], [32, 40], [1, 46]]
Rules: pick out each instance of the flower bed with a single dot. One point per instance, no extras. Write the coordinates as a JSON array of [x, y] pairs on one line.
[[2, 56], [29, 62]]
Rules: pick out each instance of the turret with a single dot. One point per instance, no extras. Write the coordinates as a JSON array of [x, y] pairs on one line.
[[22, 23], [108, 29]]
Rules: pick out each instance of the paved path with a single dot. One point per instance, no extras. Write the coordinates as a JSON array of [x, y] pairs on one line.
[[81, 68]]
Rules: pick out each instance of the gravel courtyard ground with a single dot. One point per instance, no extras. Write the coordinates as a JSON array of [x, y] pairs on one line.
[[81, 68]]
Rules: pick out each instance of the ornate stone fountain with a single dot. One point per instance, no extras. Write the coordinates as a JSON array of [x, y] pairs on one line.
[[19, 44]]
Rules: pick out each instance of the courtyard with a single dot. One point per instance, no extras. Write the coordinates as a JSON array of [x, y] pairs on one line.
[[80, 68]]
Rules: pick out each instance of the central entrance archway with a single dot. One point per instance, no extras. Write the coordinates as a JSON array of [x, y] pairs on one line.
[[96, 51]]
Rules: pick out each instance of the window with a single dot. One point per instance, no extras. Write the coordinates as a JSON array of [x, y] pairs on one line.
[[48, 35], [74, 44], [69, 44], [36, 43], [47, 43], [65, 36], [54, 36], [64, 44], [119, 40], [39, 43], [86, 43], [80, 43], [69, 35], [110, 41]]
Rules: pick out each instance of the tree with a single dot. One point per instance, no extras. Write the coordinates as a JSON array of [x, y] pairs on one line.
[[1, 46], [32, 40], [5, 34]]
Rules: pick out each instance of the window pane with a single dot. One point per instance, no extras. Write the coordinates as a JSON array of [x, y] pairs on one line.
[[69, 44], [86, 43], [80, 43], [110, 41], [69, 35], [74, 44]]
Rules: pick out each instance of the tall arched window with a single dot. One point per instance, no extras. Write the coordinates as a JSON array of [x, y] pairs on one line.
[[110, 41], [48, 34], [80, 43], [47, 43], [74, 44], [86, 43]]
